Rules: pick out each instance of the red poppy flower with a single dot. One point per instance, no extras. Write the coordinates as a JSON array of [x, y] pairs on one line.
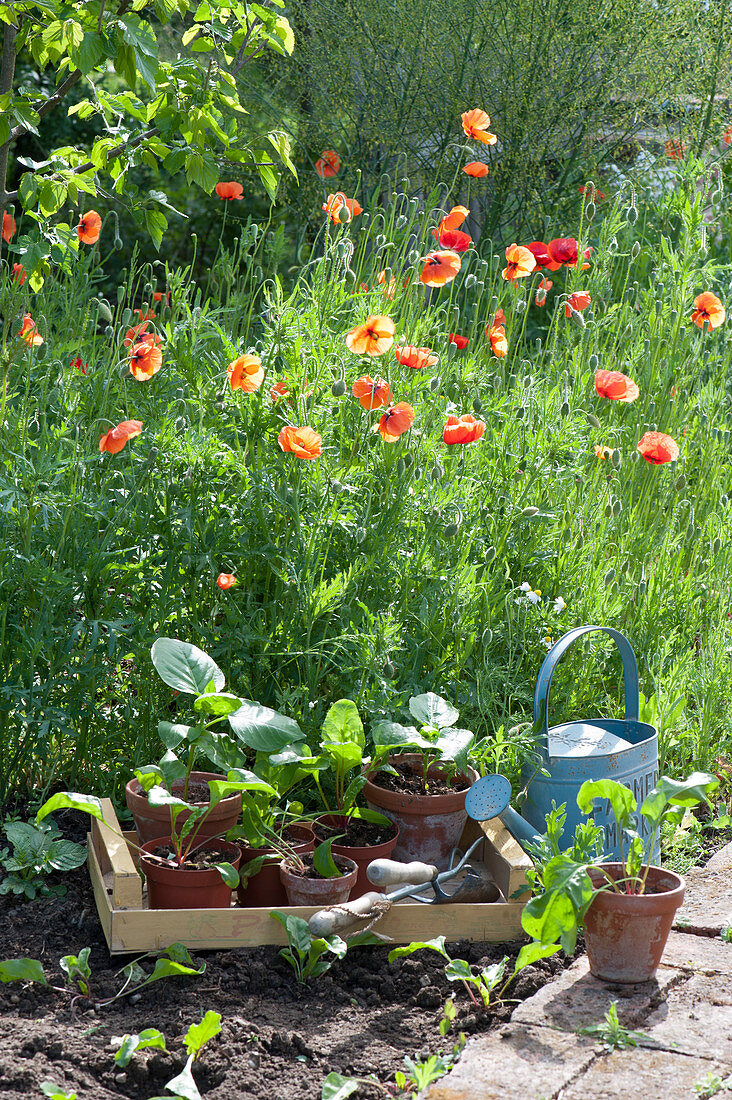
[[372, 393], [520, 262], [709, 310], [727, 136], [496, 334], [116, 438], [374, 337], [146, 358], [328, 164], [452, 220], [29, 332], [335, 204], [578, 301], [133, 334], [416, 358], [539, 251], [599, 195], [439, 268], [18, 274], [9, 226], [246, 373], [615, 386], [77, 364], [397, 420], [160, 296], [658, 448], [562, 250], [279, 391], [675, 149], [229, 191], [460, 342], [463, 429], [454, 239], [302, 442], [542, 289], [89, 227], [226, 580], [475, 125], [476, 169]]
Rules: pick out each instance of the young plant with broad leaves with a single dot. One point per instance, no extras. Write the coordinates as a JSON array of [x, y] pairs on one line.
[[438, 740]]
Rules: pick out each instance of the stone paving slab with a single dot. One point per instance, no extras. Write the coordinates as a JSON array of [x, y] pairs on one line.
[[696, 1018], [703, 954], [720, 859], [651, 1074], [515, 1063], [707, 904], [575, 999]]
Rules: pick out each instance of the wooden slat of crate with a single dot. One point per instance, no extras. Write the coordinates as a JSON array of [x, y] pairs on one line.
[[128, 926]]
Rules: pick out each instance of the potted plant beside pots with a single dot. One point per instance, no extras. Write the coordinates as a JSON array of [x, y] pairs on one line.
[[626, 908], [318, 878], [358, 834], [423, 791]]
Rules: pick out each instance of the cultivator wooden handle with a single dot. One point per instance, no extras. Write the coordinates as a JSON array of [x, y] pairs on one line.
[[387, 872]]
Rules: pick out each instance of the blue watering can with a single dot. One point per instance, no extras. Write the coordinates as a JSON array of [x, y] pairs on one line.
[[623, 749]]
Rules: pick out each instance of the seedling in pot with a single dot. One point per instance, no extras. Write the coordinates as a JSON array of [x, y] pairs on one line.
[[438, 740]]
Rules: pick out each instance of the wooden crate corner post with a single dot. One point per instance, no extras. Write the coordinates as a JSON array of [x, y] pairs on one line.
[[115, 858]]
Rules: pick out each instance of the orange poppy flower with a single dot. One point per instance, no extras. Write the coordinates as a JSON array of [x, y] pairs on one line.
[[334, 205], [452, 220], [226, 580], [658, 448], [709, 310], [160, 296], [145, 314], [29, 332], [439, 268], [135, 333], [371, 393], [387, 289], [520, 262], [603, 452], [454, 239], [302, 442], [146, 358], [18, 274], [116, 438], [476, 169], [397, 420], [89, 227], [229, 191], [246, 373], [475, 125], [460, 342], [727, 136], [416, 358], [615, 386], [496, 334], [328, 164], [279, 391], [9, 226], [542, 289], [463, 429], [675, 149], [374, 337], [578, 301]]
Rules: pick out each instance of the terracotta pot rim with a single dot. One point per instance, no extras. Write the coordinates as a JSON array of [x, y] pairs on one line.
[[340, 849], [135, 789], [419, 803], [209, 842], [346, 875], [663, 899]]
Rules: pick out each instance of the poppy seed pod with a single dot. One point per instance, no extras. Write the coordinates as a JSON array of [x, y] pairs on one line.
[[635, 250], [530, 511], [338, 388], [680, 483], [592, 420]]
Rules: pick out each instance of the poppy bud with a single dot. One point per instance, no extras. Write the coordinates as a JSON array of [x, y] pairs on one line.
[[477, 405], [437, 472], [380, 240], [338, 388], [408, 460], [413, 255], [336, 486], [577, 317], [520, 306], [592, 420], [613, 245], [388, 670], [180, 424], [593, 363], [609, 577], [451, 530], [126, 317], [590, 211], [520, 412], [632, 215], [188, 478], [118, 244], [401, 467], [109, 331], [724, 499], [417, 471], [360, 535], [104, 311], [608, 510], [152, 454], [401, 221], [716, 545], [122, 289], [680, 483], [470, 280], [350, 275], [518, 473], [625, 567], [490, 554], [642, 588], [435, 382], [344, 215], [564, 411], [530, 511], [452, 350], [635, 250], [220, 404], [617, 507], [616, 458]]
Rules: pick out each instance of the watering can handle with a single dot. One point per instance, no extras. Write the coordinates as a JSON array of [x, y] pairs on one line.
[[554, 656]]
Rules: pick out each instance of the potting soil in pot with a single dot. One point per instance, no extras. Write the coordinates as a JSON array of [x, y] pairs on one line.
[[411, 782]]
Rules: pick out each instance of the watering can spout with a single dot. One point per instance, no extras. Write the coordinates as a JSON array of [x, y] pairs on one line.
[[519, 828]]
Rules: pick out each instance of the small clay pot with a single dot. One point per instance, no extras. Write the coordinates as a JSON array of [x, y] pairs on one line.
[[155, 821], [625, 934], [362, 855], [430, 825], [265, 889], [319, 891], [179, 888]]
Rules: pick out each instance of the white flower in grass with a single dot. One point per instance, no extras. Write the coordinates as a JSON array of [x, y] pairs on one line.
[[559, 604], [531, 595]]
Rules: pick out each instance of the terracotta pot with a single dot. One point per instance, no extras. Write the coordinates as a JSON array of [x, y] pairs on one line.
[[319, 891], [625, 934], [361, 856], [265, 889], [430, 825], [155, 821], [178, 888]]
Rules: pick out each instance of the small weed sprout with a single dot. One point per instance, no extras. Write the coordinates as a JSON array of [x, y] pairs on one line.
[[611, 1034], [309, 956], [710, 1085]]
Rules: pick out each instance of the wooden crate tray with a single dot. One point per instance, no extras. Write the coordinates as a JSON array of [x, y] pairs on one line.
[[130, 926]]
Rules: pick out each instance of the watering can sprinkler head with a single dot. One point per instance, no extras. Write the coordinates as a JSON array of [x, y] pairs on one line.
[[489, 798]]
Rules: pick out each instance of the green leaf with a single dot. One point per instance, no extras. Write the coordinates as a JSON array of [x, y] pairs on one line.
[[684, 792], [185, 667], [172, 734], [298, 933], [184, 1085], [393, 735], [159, 796], [156, 223], [458, 970], [65, 855], [433, 711], [25, 116], [281, 142], [144, 45], [229, 874], [27, 189], [150, 1037], [55, 1092], [51, 198], [263, 729], [22, 970], [323, 861], [343, 725], [218, 703], [201, 169], [266, 175], [199, 1034], [620, 798], [66, 800], [532, 952], [337, 1087], [88, 54], [172, 968], [437, 945]]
